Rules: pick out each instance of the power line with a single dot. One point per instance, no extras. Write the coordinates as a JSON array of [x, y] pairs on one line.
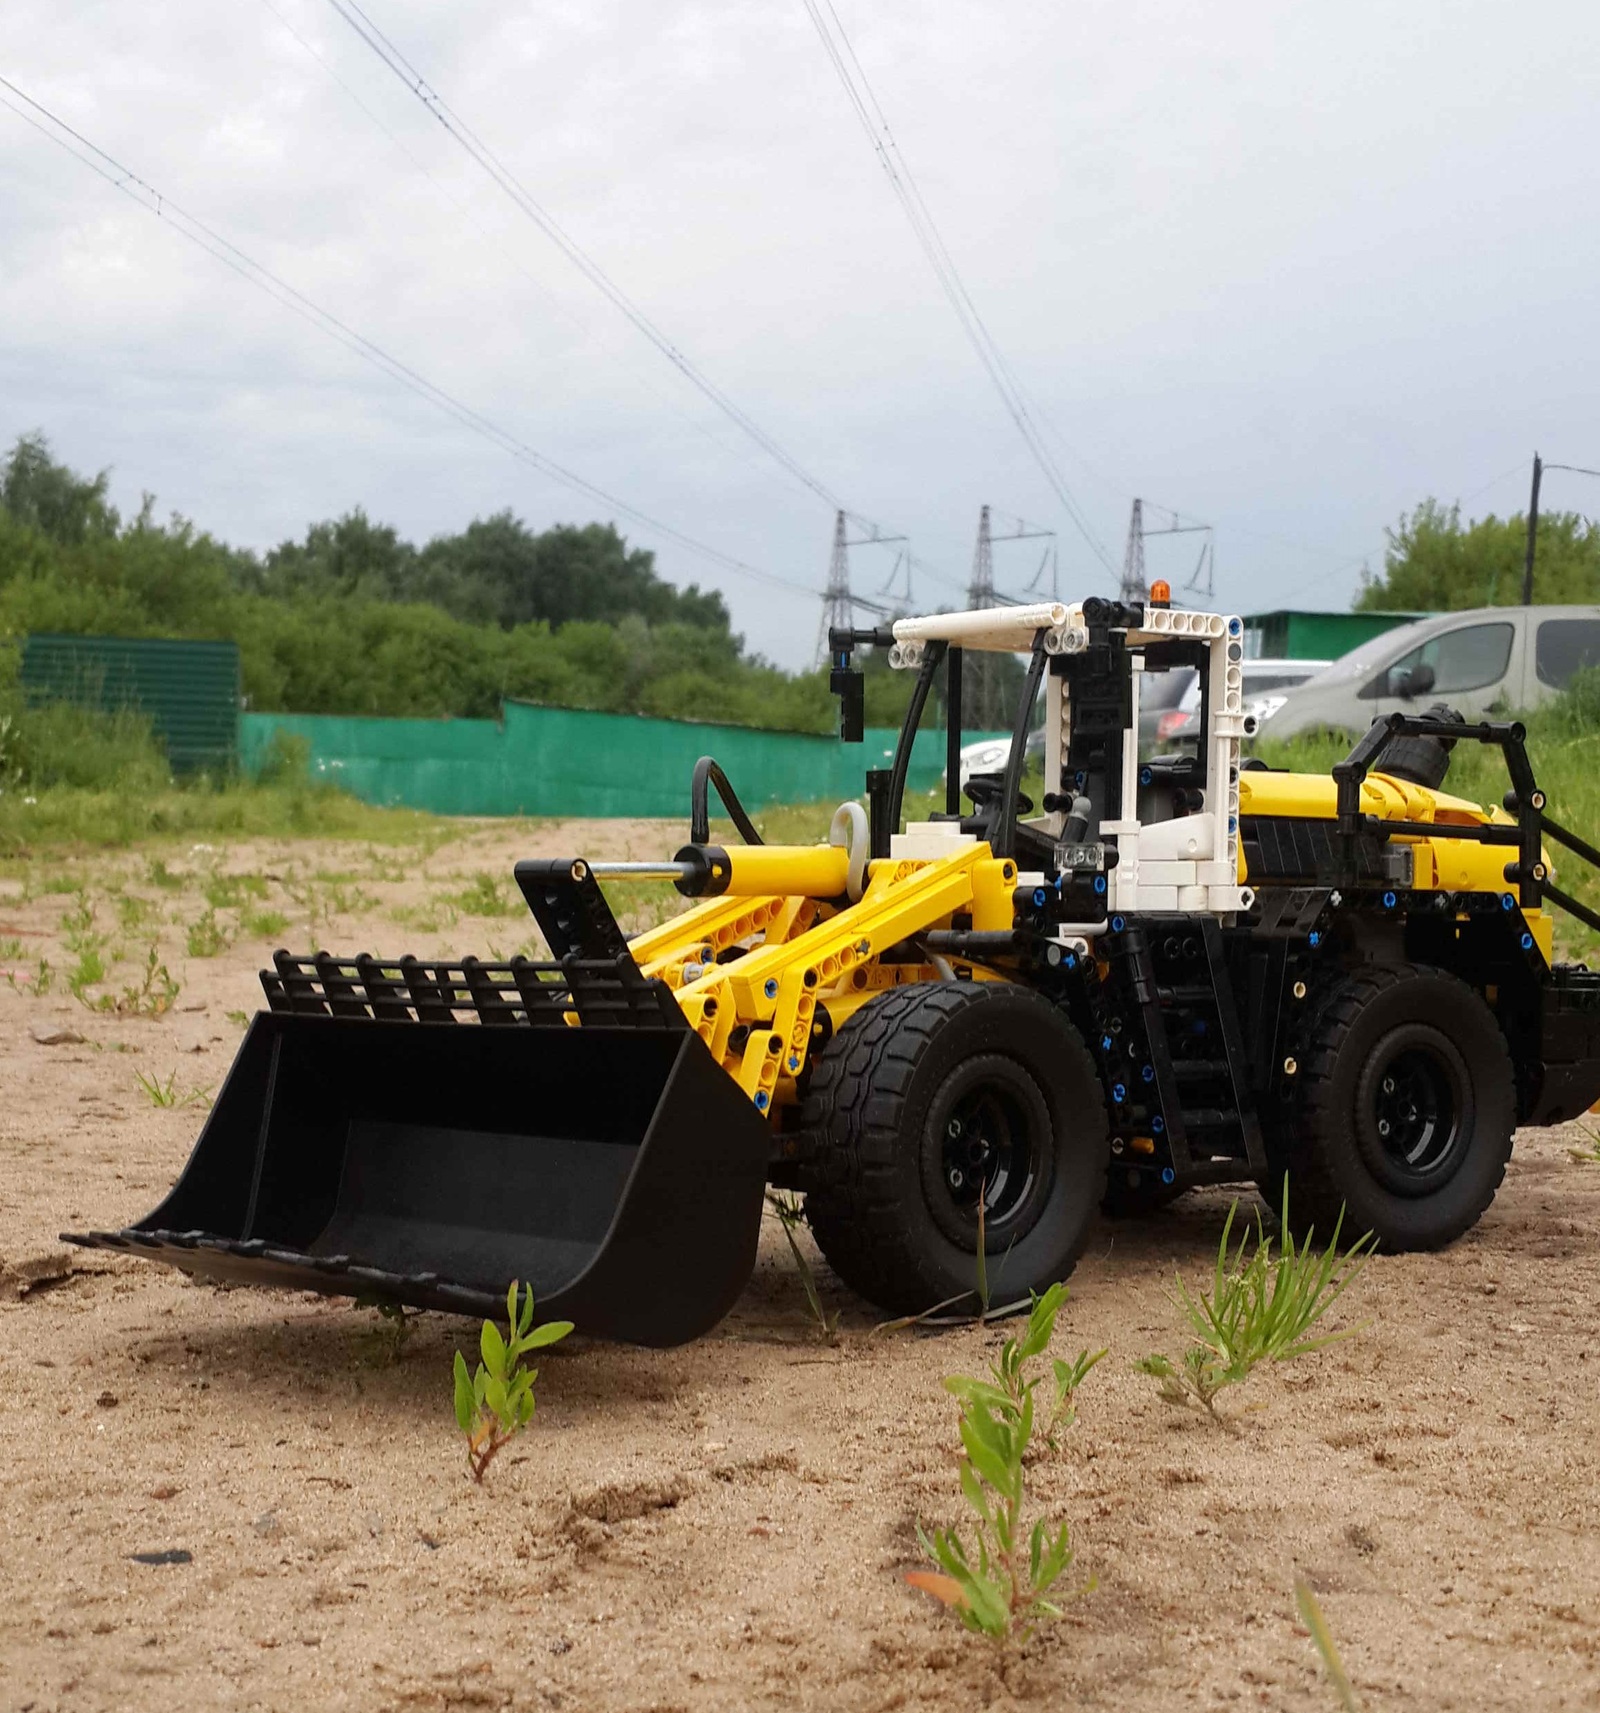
[[230, 255], [549, 297], [463, 134], [871, 117]]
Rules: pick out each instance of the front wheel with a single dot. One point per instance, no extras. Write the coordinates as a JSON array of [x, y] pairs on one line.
[[936, 1100], [1406, 1114]]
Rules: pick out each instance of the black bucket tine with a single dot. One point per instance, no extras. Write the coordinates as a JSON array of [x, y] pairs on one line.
[[339, 987], [299, 990], [543, 1001], [385, 993], [488, 996], [432, 1002]]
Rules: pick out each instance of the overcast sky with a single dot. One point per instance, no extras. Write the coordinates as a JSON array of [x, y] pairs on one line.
[[1288, 267]]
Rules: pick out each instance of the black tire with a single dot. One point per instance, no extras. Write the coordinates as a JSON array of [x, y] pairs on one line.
[[892, 1187], [1419, 1051]]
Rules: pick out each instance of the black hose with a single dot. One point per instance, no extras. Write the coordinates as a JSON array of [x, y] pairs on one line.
[[707, 772]]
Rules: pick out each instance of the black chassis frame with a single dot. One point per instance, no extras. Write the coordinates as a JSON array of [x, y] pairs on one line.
[[1187, 1002]]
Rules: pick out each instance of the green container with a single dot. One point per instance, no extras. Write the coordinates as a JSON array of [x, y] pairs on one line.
[[1292, 635]]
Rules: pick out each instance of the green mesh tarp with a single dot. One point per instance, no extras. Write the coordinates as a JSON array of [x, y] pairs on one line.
[[566, 761]]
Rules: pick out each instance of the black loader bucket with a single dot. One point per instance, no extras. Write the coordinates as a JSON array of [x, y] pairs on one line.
[[366, 1142]]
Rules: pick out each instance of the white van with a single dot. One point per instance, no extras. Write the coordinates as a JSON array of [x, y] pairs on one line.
[[1488, 658]]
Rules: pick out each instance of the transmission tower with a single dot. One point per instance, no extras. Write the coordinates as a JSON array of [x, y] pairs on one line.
[[838, 606], [839, 602], [980, 592], [990, 682], [1134, 587]]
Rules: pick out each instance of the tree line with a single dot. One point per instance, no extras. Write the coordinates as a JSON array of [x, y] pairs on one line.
[[353, 619], [1436, 563]]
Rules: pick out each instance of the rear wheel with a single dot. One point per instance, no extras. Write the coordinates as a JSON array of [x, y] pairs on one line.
[[935, 1099], [1407, 1111]]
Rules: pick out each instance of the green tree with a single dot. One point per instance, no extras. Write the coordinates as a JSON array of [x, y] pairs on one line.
[[44, 495], [1435, 563], [350, 556]]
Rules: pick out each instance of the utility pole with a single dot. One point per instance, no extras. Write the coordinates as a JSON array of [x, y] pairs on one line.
[[1533, 534], [1133, 581]]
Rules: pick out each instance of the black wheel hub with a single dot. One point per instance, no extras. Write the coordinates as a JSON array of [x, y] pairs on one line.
[[988, 1143], [1414, 1111]]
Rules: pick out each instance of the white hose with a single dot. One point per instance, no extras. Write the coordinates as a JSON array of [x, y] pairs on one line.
[[851, 831]]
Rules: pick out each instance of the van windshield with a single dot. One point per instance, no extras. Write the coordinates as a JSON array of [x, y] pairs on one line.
[[1369, 655]]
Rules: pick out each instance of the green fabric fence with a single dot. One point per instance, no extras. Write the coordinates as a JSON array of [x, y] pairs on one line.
[[566, 761]]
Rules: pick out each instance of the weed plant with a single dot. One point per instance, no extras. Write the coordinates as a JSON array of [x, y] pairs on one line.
[[168, 1094], [387, 1341], [494, 1405], [36, 985], [1259, 1309], [1000, 1585], [1589, 1156], [1322, 1640], [486, 895], [206, 936], [790, 1214]]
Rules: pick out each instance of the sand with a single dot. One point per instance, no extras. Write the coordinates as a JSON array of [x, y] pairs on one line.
[[726, 1525]]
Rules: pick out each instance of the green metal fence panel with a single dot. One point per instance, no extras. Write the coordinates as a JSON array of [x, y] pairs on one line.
[[571, 762], [189, 691]]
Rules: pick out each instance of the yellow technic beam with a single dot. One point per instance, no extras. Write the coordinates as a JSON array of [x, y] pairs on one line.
[[772, 992]]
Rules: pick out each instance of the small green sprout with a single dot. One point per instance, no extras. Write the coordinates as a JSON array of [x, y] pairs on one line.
[[151, 996], [1322, 1639], [168, 1094], [790, 1213], [1258, 1310], [1000, 1587], [987, 1312], [37, 985], [263, 924], [496, 1404], [1589, 1156], [206, 936], [388, 1339]]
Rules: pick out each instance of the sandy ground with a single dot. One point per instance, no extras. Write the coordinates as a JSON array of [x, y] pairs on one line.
[[726, 1525]]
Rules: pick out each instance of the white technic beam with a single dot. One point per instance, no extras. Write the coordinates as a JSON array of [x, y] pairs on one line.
[[1006, 630]]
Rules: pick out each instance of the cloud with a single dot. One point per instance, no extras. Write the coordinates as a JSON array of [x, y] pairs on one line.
[[1290, 269]]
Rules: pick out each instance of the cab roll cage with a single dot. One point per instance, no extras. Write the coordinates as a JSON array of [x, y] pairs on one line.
[[886, 788]]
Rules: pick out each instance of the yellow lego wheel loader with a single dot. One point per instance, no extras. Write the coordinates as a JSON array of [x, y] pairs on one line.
[[1177, 969]]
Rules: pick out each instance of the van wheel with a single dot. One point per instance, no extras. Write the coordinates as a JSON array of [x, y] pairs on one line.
[[936, 1098], [1407, 1108]]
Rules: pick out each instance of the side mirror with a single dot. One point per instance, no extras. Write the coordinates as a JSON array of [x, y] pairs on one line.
[[1409, 682]]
